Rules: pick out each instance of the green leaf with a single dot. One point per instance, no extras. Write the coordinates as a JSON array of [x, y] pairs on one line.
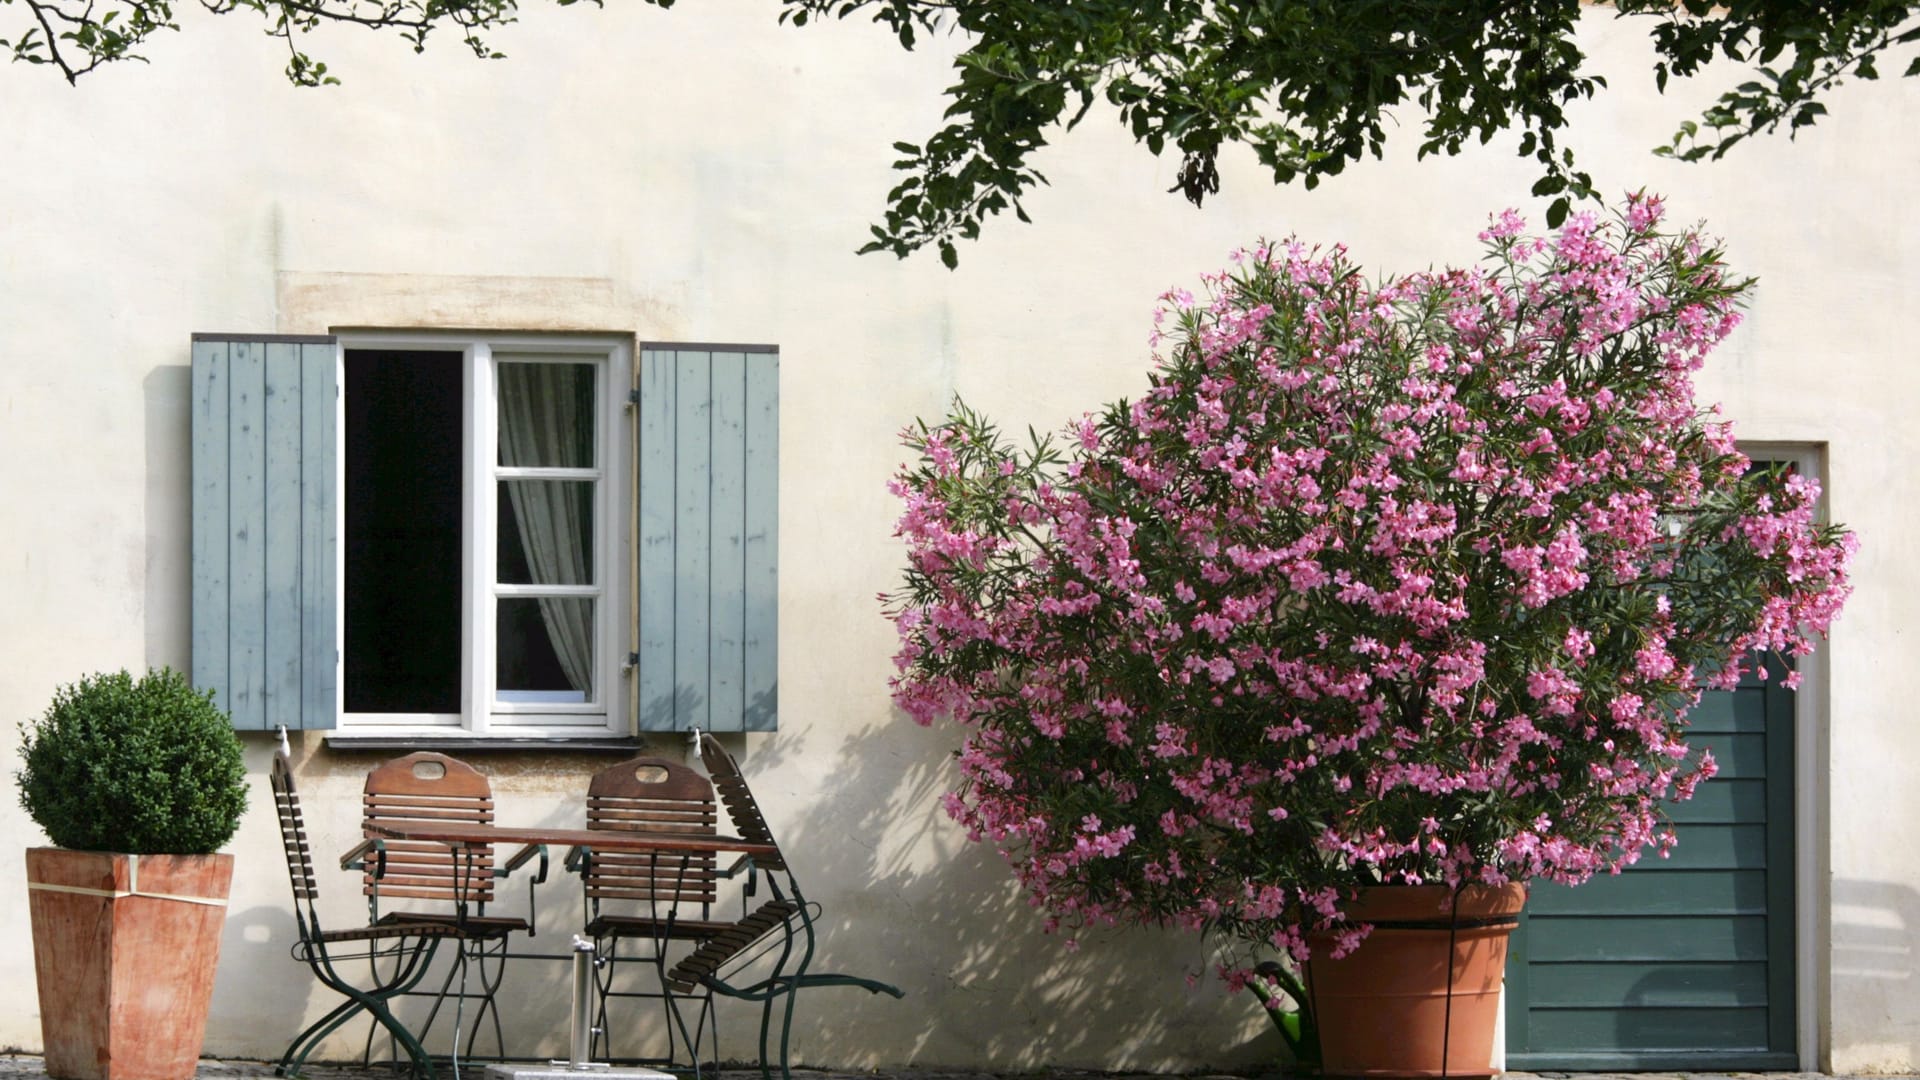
[[1557, 212]]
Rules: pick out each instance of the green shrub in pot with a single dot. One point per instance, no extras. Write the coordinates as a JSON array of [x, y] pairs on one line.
[[139, 766]]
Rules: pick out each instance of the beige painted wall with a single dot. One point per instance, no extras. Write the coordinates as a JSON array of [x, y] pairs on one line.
[[704, 174]]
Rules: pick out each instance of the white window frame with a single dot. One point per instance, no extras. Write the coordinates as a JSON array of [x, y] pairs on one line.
[[481, 714]]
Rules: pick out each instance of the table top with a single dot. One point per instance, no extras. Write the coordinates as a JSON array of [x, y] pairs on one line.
[[471, 834]]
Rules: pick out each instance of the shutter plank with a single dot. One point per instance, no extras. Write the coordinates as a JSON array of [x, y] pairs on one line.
[[1740, 756], [1559, 938], [693, 462], [1656, 985], [1651, 1029], [210, 486], [1668, 892], [319, 541], [762, 547], [246, 530], [655, 481], [1726, 712], [280, 535], [1721, 801], [726, 624]]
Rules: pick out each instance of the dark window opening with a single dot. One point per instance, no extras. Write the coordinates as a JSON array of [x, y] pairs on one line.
[[403, 504]]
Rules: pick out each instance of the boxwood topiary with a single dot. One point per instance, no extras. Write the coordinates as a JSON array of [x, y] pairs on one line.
[[142, 767]]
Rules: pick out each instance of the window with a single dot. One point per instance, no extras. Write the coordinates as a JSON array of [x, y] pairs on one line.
[[496, 535], [480, 560]]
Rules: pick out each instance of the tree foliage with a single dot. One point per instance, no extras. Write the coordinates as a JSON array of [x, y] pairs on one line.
[[1308, 85]]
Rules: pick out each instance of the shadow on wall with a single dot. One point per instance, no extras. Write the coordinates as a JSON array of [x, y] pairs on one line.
[[985, 986], [166, 601], [1876, 945]]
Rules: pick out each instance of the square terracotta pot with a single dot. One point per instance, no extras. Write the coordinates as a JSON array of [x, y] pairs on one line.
[[124, 948]]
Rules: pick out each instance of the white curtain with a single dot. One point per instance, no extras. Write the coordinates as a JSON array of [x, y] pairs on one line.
[[546, 418]]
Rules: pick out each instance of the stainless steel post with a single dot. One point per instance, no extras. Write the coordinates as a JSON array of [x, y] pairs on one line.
[[580, 1048]]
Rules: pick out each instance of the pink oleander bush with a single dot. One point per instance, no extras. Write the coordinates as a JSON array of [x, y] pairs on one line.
[[1410, 581]]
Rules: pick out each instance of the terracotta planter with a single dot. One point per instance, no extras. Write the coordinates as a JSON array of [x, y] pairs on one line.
[[1399, 1005], [124, 948]]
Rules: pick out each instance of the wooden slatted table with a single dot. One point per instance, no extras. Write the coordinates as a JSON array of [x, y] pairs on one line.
[[459, 834]]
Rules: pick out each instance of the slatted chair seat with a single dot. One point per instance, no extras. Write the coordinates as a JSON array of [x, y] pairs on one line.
[[389, 931], [404, 951], [477, 926], [726, 942], [644, 926]]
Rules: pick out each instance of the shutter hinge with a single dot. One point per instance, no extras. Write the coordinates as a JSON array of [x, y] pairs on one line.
[[633, 660], [633, 399]]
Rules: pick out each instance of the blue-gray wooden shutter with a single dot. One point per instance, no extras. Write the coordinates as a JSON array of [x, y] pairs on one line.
[[709, 471], [264, 534]]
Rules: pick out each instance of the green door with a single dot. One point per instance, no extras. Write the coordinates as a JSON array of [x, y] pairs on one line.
[[1685, 962]]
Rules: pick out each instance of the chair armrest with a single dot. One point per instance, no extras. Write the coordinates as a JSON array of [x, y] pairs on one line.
[[577, 857], [742, 864], [521, 857], [354, 858]]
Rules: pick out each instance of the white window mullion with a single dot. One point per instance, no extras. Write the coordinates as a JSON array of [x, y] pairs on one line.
[[478, 562]]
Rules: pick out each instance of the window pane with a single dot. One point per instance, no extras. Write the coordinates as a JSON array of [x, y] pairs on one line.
[[546, 532], [545, 649], [402, 509], [546, 415]]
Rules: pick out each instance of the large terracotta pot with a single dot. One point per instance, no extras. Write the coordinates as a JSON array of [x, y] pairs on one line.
[[124, 948], [1400, 1005]]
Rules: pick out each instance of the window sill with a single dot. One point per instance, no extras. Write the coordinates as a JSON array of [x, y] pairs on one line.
[[466, 744]]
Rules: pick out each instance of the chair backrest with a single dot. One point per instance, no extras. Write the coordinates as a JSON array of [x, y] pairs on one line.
[[426, 786], [293, 830], [651, 795], [748, 822]]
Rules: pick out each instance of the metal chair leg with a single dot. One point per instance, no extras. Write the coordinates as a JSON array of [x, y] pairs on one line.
[[290, 1062], [374, 1004]]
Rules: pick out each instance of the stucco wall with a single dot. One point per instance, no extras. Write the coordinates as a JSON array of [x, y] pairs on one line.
[[704, 174]]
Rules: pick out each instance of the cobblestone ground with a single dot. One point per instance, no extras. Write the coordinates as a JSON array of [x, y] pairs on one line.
[[27, 1067]]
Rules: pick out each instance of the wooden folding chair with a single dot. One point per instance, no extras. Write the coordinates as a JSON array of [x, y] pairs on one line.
[[406, 948], [458, 884], [673, 893], [781, 926]]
